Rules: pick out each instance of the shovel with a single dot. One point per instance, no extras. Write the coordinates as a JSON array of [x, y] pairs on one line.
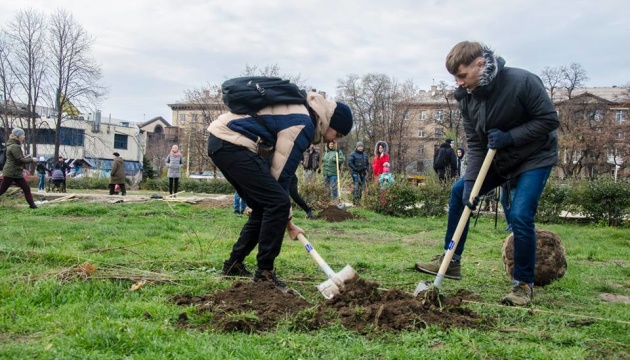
[[341, 205], [335, 282], [463, 220]]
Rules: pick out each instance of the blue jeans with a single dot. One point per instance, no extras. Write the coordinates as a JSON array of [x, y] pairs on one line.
[[331, 183], [359, 184], [239, 203], [529, 188], [506, 202], [42, 181]]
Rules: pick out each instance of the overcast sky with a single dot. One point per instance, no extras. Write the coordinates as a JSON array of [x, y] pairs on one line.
[[152, 51]]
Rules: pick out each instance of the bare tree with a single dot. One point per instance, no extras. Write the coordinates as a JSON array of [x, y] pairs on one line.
[[378, 107], [591, 136], [7, 85], [573, 76], [28, 63], [74, 74], [552, 80], [452, 121]]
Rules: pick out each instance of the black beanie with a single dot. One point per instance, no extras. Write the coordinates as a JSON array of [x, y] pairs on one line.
[[341, 119]]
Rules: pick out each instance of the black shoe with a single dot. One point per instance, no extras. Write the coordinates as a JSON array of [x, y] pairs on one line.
[[309, 214], [33, 206], [270, 275], [235, 269]]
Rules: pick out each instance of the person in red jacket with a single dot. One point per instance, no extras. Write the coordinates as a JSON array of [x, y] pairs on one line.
[[381, 156]]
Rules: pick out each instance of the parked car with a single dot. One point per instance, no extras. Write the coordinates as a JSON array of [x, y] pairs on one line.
[[208, 175], [27, 175]]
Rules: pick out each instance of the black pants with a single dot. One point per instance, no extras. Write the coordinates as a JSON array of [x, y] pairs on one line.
[[293, 191], [173, 184], [22, 183], [251, 177], [112, 189]]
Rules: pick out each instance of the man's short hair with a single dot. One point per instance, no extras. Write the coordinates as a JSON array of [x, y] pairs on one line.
[[464, 53]]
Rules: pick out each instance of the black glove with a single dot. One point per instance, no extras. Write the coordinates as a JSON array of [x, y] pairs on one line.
[[319, 171], [498, 139], [468, 185]]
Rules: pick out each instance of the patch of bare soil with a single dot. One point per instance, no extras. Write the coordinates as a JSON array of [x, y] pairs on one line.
[[254, 307], [333, 214]]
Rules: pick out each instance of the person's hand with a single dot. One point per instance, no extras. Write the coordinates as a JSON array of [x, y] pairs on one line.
[[498, 139], [468, 185], [294, 230]]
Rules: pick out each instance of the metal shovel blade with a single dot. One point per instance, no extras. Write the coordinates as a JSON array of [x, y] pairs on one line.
[[422, 286], [341, 206], [335, 284]]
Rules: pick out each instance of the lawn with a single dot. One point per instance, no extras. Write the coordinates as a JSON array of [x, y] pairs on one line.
[[97, 280]]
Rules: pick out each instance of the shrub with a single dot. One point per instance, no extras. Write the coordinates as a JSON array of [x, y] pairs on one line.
[[313, 191], [434, 196], [400, 200], [555, 198], [603, 199], [213, 186]]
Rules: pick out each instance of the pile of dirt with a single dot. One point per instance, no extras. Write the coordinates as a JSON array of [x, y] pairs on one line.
[[333, 214], [551, 258], [361, 306]]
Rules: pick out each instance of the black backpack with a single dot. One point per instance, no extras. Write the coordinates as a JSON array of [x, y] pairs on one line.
[[248, 95], [3, 156], [440, 159]]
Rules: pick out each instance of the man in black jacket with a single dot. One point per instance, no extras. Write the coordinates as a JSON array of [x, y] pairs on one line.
[[507, 109], [445, 161], [358, 162]]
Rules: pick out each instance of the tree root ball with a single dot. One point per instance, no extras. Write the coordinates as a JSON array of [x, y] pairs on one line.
[[551, 259]]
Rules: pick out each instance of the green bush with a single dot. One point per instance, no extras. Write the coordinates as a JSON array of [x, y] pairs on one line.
[[603, 200], [400, 200], [89, 183], [213, 186], [555, 198], [434, 196], [313, 191]]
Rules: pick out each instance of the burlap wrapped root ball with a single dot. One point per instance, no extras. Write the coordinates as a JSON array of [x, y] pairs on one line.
[[551, 259]]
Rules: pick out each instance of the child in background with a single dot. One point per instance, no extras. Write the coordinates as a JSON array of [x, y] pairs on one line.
[[386, 179]]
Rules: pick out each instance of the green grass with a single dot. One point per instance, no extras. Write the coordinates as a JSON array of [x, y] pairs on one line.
[[180, 248]]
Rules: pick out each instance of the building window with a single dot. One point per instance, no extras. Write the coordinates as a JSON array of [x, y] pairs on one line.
[[455, 114], [423, 115], [439, 132], [621, 115], [182, 119], [421, 149], [619, 135], [67, 136], [194, 118], [421, 133], [439, 115], [120, 141], [596, 115]]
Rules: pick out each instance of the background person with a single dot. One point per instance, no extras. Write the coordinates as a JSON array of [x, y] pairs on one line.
[[174, 162], [358, 163], [381, 156], [445, 161], [310, 162], [239, 146], [507, 109], [461, 162], [13, 170], [239, 204], [63, 166], [329, 165], [42, 170], [117, 176]]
